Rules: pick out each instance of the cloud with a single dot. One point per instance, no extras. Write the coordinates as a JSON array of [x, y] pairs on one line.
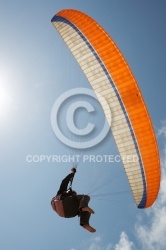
[[152, 236], [124, 243], [150, 232], [162, 130], [95, 244]]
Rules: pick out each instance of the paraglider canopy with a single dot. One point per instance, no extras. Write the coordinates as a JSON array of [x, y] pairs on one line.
[[110, 77]]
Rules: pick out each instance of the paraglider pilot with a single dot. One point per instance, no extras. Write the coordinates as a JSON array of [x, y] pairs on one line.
[[67, 203]]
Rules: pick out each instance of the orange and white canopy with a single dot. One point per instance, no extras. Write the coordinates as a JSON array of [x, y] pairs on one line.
[[110, 76]]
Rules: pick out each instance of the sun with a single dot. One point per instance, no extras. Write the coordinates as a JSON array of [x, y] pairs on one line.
[[4, 97], [5, 103]]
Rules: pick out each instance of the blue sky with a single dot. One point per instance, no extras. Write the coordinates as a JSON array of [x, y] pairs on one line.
[[36, 68]]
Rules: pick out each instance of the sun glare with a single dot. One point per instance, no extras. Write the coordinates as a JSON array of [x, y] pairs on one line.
[[5, 103]]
